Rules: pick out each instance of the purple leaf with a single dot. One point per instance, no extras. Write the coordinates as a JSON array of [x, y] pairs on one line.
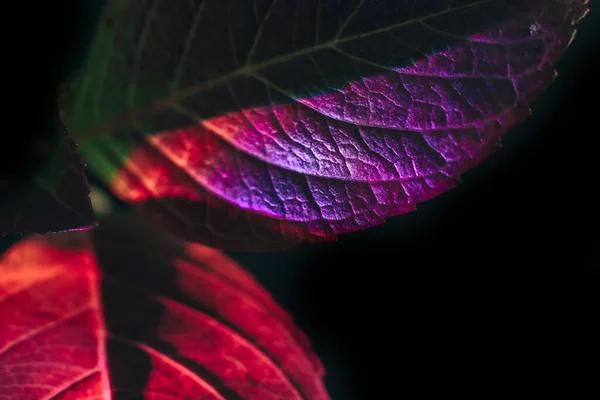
[[256, 137]]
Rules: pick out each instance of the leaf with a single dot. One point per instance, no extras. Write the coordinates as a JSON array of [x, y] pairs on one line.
[[143, 316], [55, 199], [260, 127]]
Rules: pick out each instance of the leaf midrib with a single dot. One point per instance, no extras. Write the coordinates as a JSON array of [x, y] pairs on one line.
[[247, 70]]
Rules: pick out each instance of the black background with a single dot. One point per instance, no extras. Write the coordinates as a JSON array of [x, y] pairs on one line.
[[493, 284]]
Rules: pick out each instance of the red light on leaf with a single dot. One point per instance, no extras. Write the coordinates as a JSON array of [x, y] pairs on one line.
[[143, 317]]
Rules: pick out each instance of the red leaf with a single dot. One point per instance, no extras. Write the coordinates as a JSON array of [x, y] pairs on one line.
[[214, 164], [143, 318]]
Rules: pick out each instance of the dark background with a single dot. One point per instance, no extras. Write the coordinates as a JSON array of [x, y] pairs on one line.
[[494, 283]]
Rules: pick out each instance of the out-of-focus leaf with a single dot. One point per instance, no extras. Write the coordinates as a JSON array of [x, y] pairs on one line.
[[55, 198], [253, 125], [143, 316]]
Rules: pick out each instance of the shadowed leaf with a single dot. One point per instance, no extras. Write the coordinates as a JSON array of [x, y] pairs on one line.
[[55, 199]]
